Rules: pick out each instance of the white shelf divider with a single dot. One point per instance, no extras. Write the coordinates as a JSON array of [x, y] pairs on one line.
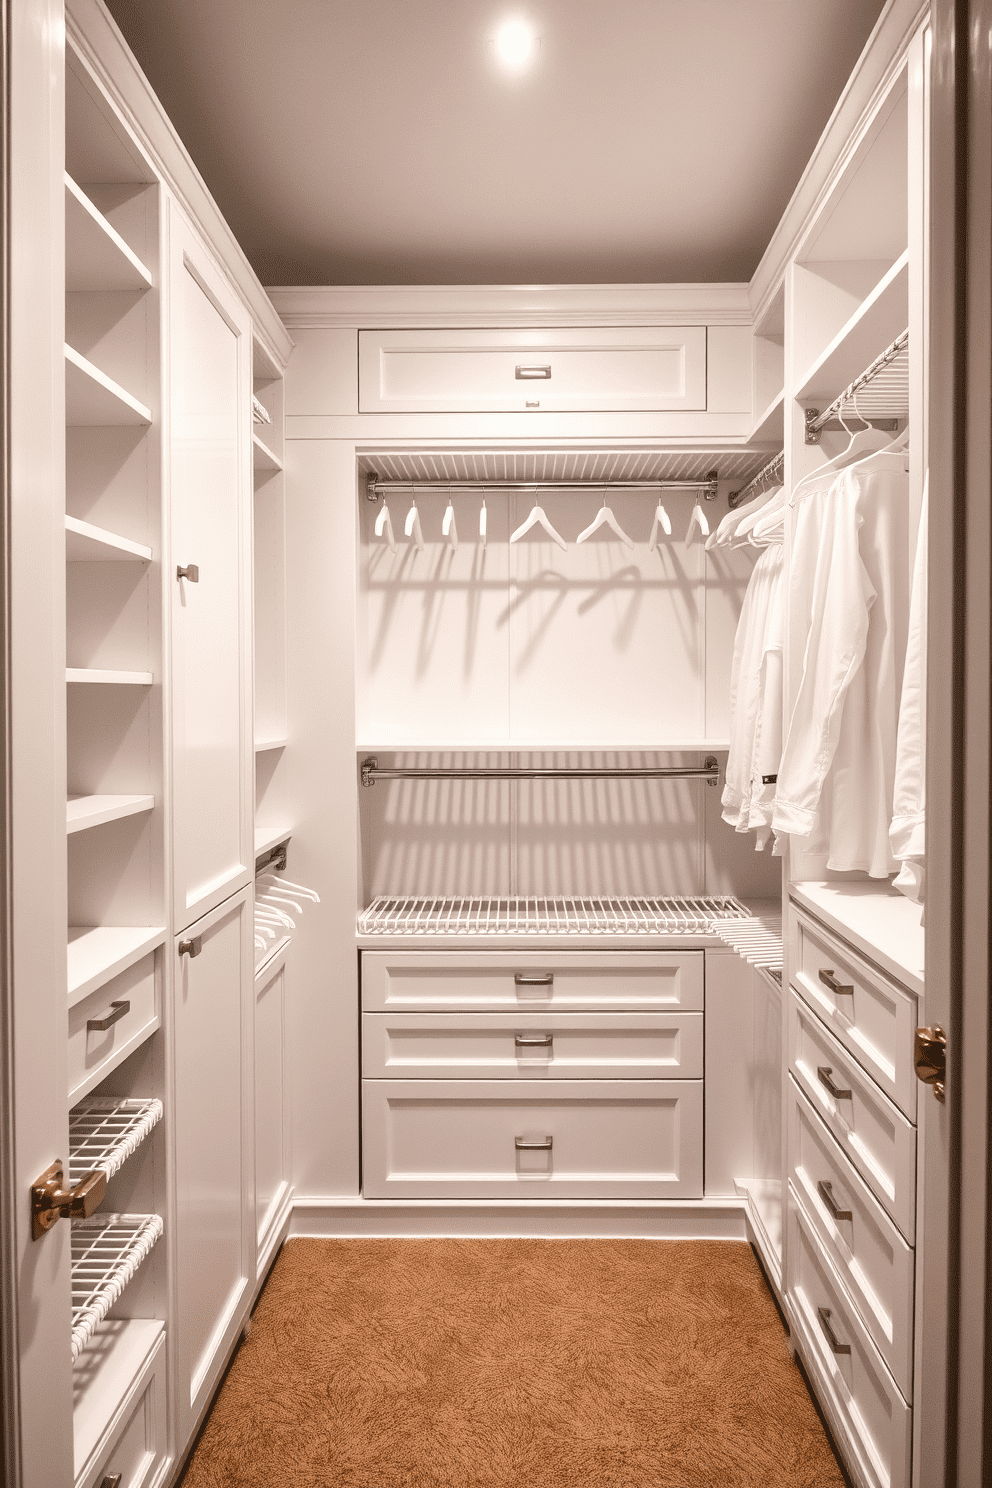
[[263, 746], [266, 838], [85, 543], [83, 812], [879, 319], [96, 256], [98, 953], [107, 1250], [262, 457], [93, 398], [103, 677], [104, 1130], [769, 427]]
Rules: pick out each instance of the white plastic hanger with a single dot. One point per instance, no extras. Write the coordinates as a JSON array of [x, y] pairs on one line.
[[413, 528], [605, 518], [294, 888], [482, 522], [728, 526], [385, 522], [865, 442], [536, 518], [751, 528], [449, 527], [662, 522], [697, 520]]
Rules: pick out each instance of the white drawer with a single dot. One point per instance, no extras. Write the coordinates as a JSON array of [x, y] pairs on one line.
[[868, 1013], [542, 1046], [461, 1139], [875, 1136], [869, 1255], [115, 1433], [648, 369], [93, 1052], [864, 1396], [572, 981]]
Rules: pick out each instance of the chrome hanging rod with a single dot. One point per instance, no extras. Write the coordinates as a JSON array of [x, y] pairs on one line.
[[709, 771], [775, 467], [374, 487], [817, 420]]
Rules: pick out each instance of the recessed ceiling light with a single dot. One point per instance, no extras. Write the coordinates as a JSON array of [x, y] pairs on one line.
[[514, 43]]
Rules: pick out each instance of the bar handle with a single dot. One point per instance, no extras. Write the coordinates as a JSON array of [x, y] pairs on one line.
[[532, 374], [118, 1010], [112, 1480], [192, 947], [826, 1191], [49, 1200], [190, 572], [829, 980], [523, 1145], [823, 1073], [533, 1040], [541, 979], [823, 1313]]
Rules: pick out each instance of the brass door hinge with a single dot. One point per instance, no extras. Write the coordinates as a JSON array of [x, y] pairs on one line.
[[930, 1058], [49, 1201]]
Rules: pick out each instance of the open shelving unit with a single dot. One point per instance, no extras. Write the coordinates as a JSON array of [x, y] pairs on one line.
[[98, 953], [271, 734], [83, 812], [97, 257], [91, 397], [86, 543]]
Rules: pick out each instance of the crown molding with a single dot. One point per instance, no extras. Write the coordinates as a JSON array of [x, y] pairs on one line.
[[394, 307]]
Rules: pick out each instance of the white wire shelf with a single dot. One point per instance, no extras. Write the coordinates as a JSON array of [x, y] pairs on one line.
[[593, 915], [107, 1250], [757, 940], [104, 1130]]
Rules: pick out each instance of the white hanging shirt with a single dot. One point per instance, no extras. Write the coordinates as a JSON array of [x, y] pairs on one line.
[[849, 594], [746, 801], [907, 834]]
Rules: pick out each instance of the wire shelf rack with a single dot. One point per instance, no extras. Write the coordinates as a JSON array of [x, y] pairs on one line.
[[555, 916], [107, 1250], [105, 1129], [758, 940]]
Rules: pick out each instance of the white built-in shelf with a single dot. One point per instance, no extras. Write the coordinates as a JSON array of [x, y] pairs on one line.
[[91, 397], [98, 953], [262, 457], [107, 1250], [266, 838], [112, 1363], [83, 812], [769, 427], [876, 323], [96, 256], [105, 677], [558, 746], [85, 543], [104, 1130], [263, 746], [876, 919]]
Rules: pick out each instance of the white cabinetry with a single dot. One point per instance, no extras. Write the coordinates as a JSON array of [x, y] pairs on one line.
[[273, 1178]]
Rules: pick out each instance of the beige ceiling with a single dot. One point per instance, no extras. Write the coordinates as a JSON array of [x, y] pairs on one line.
[[379, 141]]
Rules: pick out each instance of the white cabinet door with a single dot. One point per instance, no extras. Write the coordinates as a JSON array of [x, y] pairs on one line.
[[273, 1191], [215, 1233], [211, 607]]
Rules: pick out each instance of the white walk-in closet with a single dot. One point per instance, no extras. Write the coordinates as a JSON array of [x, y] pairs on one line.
[[473, 744]]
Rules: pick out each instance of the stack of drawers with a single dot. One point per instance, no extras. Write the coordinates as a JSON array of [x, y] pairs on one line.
[[559, 1074], [852, 1194]]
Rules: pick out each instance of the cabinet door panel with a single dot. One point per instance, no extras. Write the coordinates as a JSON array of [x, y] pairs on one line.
[[272, 1188], [211, 492]]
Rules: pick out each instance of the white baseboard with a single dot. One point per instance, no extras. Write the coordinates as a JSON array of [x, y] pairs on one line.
[[352, 1217]]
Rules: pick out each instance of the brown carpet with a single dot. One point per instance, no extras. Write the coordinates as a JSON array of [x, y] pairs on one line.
[[514, 1364]]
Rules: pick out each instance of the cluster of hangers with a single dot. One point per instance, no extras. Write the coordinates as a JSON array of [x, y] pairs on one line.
[[275, 896], [662, 524]]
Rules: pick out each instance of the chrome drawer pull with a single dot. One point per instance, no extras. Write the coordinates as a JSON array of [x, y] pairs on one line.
[[829, 980], [544, 1145], [531, 374], [118, 1010], [545, 979], [533, 1040], [826, 1191], [823, 1073], [823, 1313]]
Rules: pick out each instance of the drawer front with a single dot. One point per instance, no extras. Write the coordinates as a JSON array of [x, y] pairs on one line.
[[515, 1046], [93, 1052], [868, 1253], [867, 1012], [138, 1445], [570, 981], [452, 371], [876, 1418], [874, 1135], [510, 1139]]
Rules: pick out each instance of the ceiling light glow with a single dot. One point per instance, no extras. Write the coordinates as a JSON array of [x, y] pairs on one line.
[[514, 43]]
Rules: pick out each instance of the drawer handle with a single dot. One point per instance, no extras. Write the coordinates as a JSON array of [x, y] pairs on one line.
[[192, 947], [545, 979], [823, 1073], [826, 1191], [829, 980], [823, 1313], [118, 1010], [522, 1145], [533, 1040], [532, 374], [112, 1480], [190, 572]]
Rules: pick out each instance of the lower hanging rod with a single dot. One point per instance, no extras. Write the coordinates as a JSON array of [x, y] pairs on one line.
[[708, 771], [374, 487]]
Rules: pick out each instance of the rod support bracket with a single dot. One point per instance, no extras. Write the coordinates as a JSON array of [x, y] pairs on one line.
[[712, 763], [710, 492], [371, 481], [369, 766], [811, 434]]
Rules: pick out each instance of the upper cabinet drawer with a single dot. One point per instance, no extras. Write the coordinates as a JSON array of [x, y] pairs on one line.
[[628, 369]]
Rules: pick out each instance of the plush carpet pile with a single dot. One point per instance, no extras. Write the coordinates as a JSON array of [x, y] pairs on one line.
[[514, 1364]]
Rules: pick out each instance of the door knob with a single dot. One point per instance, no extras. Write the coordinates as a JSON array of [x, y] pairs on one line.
[[49, 1201], [930, 1059]]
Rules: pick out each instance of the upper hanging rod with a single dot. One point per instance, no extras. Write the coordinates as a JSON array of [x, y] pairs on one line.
[[816, 420], [775, 467], [709, 772], [374, 487]]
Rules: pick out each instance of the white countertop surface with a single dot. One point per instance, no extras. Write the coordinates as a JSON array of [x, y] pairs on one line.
[[876, 919]]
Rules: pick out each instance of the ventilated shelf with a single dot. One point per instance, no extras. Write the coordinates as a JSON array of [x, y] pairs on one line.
[[107, 677], [758, 940], [85, 543], [262, 457], [83, 812], [107, 1250], [96, 256], [559, 916], [104, 1130], [98, 953], [93, 398]]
